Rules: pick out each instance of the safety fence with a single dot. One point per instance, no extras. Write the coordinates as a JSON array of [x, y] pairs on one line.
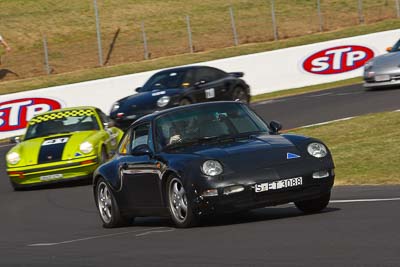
[[77, 34]]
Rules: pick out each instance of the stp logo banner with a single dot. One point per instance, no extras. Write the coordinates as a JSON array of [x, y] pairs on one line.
[[15, 114], [338, 59]]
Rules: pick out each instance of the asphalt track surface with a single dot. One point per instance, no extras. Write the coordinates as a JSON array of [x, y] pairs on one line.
[[59, 226]]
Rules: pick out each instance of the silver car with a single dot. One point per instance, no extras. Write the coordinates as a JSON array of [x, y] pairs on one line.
[[383, 71]]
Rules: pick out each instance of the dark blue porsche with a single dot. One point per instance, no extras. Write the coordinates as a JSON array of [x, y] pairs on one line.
[[178, 87], [210, 158]]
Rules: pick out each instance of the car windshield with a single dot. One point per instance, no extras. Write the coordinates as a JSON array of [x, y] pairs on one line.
[[396, 47], [61, 122], [217, 122], [164, 80]]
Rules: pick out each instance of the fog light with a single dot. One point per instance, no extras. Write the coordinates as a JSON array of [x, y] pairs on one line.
[[320, 174], [233, 189], [210, 193]]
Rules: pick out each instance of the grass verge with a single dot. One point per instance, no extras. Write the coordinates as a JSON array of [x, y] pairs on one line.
[[365, 149]]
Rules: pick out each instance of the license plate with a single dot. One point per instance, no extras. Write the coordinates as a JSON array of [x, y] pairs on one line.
[[382, 78], [51, 177], [210, 93], [276, 185]]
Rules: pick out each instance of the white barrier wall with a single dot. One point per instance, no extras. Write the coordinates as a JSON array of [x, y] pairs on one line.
[[264, 72]]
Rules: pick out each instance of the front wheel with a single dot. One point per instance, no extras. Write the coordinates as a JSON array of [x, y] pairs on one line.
[[314, 205], [179, 206], [185, 102], [107, 206]]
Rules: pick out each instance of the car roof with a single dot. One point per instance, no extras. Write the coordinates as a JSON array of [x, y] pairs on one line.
[[67, 109], [184, 68], [156, 114]]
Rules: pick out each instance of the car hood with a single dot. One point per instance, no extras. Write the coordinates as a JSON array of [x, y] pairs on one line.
[[35, 151], [144, 100], [256, 152], [389, 60]]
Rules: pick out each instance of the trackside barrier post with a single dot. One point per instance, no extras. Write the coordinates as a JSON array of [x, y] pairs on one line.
[[234, 31], [99, 47], [398, 8], [360, 11], [274, 26], [46, 56], [321, 20], [189, 31], [146, 49]]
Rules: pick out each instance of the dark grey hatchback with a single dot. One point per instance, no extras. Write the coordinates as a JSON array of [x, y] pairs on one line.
[[178, 87]]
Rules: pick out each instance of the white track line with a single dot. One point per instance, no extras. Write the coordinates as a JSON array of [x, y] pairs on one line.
[[6, 145], [326, 122], [365, 200], [148, 231], [319, 95], [155, 232]]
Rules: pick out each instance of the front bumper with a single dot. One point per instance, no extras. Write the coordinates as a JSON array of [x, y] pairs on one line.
[[248, 199], [53, 172], [371, 81], [388, 84]]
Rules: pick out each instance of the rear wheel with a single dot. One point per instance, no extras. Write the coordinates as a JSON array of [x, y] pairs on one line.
[[314, 205], [240, 94], [107, 206], [103, 155], [179, 206]]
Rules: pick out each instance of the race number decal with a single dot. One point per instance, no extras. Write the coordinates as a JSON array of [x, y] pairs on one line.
[[56, 141], [210, 93]]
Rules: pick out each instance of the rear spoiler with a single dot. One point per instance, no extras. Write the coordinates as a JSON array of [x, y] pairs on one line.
[[236, 74]]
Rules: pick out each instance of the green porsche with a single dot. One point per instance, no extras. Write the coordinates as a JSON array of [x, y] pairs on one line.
[[59, 145]]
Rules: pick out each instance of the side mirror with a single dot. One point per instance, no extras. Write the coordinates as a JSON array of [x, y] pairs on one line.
[[389, 49], [138, 89], [142, 150], [109, 124], [275, 126], [15, 140]]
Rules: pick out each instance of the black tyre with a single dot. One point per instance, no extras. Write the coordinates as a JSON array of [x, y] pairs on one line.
[[103, 155], [107, 206], [184, 102], [16, 186], [179, 206], [240, 94], [314, 205]]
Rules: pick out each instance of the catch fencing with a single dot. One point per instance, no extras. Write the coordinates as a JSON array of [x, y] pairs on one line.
[[105, 37]]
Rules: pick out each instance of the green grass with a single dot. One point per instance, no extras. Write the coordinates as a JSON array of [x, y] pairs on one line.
[[365, 149]]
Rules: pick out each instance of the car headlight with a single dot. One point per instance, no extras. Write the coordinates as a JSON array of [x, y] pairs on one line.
[[86, 147], [317, 150], [115, 106], [212, 168], [13, 158], [368, 65], [163, 101]]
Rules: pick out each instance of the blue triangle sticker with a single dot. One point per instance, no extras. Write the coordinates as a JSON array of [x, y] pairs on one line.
[[292, 156]]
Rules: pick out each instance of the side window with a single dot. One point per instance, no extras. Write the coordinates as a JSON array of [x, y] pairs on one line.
[[124, 145], [209, 74], [188, 79], [103, 117], [140, 135]]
